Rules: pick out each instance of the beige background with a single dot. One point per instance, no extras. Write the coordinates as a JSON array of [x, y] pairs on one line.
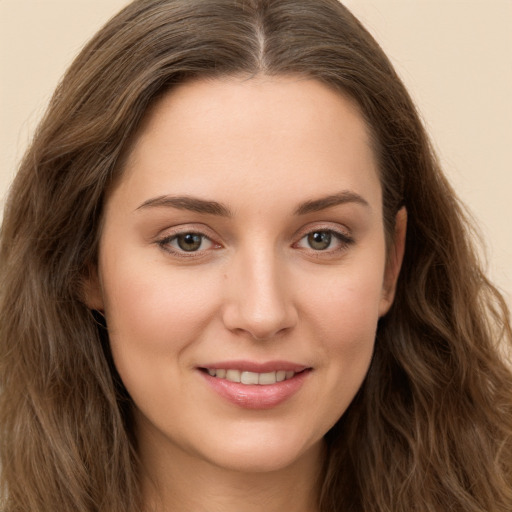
[[454, 55]]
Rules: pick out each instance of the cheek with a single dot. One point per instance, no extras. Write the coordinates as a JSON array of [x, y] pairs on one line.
[[343, 316], [345, 302], [154, 315], [348, 325]]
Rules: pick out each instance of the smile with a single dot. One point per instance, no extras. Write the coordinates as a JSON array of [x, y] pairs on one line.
[[251, 378], [252, 385]]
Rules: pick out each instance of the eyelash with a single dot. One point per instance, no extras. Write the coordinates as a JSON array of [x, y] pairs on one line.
[[343, 241]]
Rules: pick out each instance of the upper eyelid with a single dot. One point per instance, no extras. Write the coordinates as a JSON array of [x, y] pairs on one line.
[[323, 226], [185, 228]]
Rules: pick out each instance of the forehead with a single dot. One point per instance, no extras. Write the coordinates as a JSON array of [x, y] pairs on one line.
[[291, 135]]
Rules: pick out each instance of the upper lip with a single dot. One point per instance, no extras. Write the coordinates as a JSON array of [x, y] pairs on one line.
[[256, 367]]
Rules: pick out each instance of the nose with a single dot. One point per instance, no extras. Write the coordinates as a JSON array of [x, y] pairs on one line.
[[259, 297]]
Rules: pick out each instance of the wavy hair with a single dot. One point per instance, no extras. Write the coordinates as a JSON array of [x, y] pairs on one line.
[[431, 428]]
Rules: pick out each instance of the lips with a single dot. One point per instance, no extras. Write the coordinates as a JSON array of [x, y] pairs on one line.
[[255, 385]]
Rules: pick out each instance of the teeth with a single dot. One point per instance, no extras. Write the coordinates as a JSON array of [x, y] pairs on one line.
[[267, 378], [280, 375], [251, 377], [233, 375]]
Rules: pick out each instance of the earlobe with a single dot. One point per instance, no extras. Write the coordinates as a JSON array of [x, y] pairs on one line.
[[394, 262], [92, 291]]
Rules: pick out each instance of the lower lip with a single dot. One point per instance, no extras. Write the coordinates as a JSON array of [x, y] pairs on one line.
[[255, 396]]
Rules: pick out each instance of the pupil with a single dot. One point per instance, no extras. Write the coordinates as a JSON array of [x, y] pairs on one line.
[[319, 240], [189, 242]]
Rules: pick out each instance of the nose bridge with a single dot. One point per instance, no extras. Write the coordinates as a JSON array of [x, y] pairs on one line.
[[260, 301]]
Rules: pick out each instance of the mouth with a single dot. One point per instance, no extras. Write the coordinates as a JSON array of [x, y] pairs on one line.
[[255, 386], [251, 378]]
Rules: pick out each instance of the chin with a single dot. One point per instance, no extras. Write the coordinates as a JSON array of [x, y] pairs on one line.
[[261, 454]]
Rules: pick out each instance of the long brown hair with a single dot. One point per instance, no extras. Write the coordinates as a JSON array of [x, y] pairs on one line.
[[431, 427]]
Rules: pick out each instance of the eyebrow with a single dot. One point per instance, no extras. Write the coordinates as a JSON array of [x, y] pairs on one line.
[[192, 204], [323, 203], [197, 205]]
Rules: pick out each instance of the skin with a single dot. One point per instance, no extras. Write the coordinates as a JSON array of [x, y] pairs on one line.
[[255, 290]]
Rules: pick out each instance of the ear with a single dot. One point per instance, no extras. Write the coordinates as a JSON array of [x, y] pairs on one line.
[[92, 290], [394, 262]]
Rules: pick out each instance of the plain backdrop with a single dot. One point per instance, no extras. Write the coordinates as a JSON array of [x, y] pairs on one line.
[[455, 56]]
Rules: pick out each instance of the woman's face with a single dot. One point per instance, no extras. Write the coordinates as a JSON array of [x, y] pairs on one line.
[[245, 241]]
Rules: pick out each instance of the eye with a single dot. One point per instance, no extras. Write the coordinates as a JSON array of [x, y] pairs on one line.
[[187, 242], [324, 240]]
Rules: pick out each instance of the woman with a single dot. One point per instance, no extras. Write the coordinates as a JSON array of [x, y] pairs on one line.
[[234, 278]]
